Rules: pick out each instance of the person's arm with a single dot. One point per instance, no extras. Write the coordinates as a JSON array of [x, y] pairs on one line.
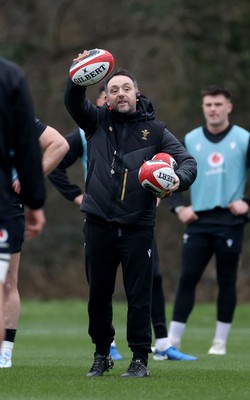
[[85, 114], [241, 206], [186, 164], [59, 177], [177, 202], [247, 198], [26, 152], [26, 149], [54, 147]]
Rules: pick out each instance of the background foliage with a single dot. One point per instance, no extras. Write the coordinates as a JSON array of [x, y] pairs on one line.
[[175, 48]]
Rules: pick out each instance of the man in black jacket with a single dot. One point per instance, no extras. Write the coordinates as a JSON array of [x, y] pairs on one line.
[[163, 349], [120, 213], [19, 147]]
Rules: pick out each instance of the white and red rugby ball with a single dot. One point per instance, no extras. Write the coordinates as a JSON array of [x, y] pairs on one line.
[[167, 158], [92, 68], [156, 176]]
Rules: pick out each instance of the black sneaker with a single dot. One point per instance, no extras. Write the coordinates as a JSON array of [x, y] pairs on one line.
[[136, 370], [100, 365]]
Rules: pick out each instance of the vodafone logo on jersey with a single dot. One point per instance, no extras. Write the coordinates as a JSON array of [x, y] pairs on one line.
[[215, 159]]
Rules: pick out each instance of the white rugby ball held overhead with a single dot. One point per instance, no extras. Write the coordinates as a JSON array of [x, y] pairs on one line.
[[92, 68]]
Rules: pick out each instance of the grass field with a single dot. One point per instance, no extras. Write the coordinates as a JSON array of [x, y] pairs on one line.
[[53, 352]]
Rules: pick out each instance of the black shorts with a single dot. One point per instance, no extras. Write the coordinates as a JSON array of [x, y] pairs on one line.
[[222, 238], [5, 222], [17, 225]]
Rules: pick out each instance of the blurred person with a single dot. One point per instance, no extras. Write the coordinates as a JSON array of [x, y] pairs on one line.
[[19, 147], [119, 225], [54, 147], [216, 217], [163, 348]]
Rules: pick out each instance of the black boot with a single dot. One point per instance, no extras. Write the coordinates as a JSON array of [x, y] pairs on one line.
[[136, 369], [100, 365]]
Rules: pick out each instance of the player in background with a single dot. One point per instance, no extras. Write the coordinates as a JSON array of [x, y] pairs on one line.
[[54, 147], [163, 349], [19, 147], [216, 217]]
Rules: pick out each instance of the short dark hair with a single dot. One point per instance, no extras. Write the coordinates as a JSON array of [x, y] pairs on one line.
[[121, 71], [214, 90], [101, 88]]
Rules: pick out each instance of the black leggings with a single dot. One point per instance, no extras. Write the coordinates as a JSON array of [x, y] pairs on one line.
[[198, 249], [158, 301]]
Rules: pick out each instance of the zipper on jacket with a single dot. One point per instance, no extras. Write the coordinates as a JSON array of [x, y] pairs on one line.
[[112, 168], [124, 183], [116, 173]]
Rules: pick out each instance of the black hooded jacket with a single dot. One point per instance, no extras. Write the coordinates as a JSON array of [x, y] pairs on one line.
[[118, 144], [19, 146]]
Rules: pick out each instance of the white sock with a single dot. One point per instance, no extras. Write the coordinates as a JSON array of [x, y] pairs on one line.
[[4, 266], [162, 344], [222, 331], [7, 347], [113, 343], [176, 330]]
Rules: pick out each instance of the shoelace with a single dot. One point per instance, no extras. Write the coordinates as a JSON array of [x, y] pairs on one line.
[[135, 366], [99, 364]]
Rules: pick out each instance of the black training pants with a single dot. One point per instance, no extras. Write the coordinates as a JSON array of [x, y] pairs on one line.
[[106, 246], [225, 242]]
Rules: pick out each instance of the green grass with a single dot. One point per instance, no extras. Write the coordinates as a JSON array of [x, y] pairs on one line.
[[53, 352]]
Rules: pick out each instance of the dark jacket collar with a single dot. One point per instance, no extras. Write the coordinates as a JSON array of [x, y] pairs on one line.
[[144, 111]]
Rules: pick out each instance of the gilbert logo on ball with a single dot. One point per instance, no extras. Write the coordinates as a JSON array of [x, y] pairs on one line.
[[156, 176], [92, 68]]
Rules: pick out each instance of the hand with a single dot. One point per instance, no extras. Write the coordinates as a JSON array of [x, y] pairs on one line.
[[238, 207], [172, 189], [187, 215], [16, 185], [34, 222], [81, 56], [78, 199], [158, 200]]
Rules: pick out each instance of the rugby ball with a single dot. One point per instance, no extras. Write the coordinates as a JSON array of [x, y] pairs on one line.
[[156, 176], [166, 158], [91, 69]]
